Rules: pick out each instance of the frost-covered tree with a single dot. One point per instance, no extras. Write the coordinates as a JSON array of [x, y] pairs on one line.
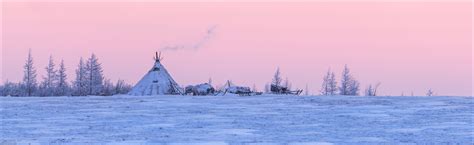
[[2, 90], [329, 86], [11, 89], [254, 88], [287, 84], [332, 84], [48, 86], [80, 84], [276, 81], [107, 88], [349, 86], [372, 90], [354, 87], [369, 91], [29, 84], [94, 76], [345, 81], [430, 92], [121, 87], [62, 87]]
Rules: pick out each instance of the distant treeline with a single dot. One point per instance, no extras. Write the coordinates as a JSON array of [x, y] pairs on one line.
[[89, 80], [348, 85]]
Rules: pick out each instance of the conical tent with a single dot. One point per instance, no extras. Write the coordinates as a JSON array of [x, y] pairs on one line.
[[156, 82]]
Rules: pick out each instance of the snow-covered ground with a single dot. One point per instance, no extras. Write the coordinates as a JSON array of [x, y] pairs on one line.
[[234, 120]]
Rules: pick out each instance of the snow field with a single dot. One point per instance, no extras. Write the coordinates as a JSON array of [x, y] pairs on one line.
[[267, 119]]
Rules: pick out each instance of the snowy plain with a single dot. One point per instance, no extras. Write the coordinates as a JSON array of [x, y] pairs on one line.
[[263, 119]]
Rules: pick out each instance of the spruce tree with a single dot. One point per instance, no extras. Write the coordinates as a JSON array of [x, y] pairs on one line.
[[276, 81], [329, 86], [48, 85], [62, 88], [29, 84], [80, 84], [94, 76], [349, 86]]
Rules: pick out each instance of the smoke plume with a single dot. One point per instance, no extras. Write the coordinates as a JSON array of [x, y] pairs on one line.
[[196, 45]]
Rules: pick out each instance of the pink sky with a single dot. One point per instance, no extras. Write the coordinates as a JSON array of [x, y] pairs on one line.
[[407, 46]]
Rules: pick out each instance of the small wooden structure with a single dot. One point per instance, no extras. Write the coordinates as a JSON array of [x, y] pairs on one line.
[[200, 90], [284, 90], [239, 90]]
